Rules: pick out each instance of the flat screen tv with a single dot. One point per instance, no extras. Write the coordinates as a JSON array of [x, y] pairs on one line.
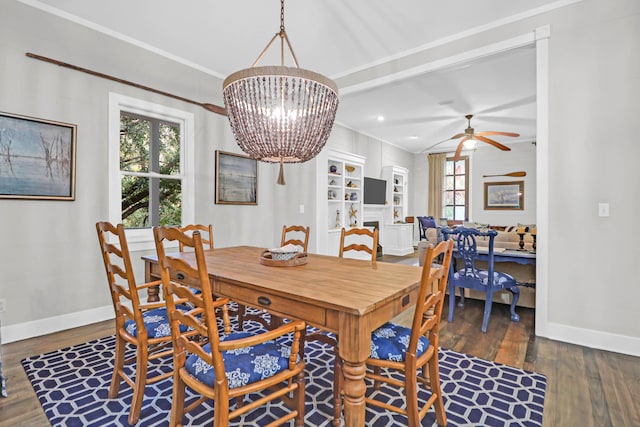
[[375, 191]]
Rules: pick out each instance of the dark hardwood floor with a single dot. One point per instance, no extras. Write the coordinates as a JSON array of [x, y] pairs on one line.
[[585, 387]]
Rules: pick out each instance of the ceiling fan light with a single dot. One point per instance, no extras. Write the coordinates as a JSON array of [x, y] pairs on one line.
[[469, 144]]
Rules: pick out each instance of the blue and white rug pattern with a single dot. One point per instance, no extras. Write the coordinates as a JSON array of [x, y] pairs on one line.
[[72, 386]]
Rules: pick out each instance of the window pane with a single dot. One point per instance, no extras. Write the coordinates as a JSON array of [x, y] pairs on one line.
[[170, 202], [460, 198], [135, 202], [449, 198], [449, 183], [460, 210], [448, 212], [460, 167], [135, 137], [460, 182], [169, 149], [448, 168]]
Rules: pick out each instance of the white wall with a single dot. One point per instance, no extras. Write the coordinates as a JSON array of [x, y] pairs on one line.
[[52, 272]]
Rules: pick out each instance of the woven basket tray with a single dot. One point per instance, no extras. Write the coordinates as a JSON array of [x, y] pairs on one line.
[[299, 259]]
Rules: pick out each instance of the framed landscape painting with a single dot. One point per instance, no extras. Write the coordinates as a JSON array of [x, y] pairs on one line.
[[236, 179], [37, 158], [504, 195]]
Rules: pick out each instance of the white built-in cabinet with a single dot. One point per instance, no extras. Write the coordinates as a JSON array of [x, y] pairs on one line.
[[340, 178], [398, 236]]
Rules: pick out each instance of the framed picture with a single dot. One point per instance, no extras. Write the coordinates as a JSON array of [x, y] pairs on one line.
[[504, 195], [236, 179], [37, 158]]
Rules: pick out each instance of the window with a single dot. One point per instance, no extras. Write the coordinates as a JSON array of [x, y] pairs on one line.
[[456, 176], [150, 167], [150, 170]]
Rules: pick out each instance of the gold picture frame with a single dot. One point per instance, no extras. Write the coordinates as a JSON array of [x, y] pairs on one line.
[[236, 179]]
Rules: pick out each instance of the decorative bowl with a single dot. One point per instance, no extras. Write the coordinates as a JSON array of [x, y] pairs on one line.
[[280, 255]]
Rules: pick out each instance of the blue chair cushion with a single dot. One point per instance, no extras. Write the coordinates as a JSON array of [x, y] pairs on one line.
[[391, 341], [500, 280], [244, 365], [156, 321]]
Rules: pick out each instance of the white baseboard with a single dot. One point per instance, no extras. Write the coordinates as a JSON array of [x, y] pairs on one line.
[[591, 338], [49, 325]]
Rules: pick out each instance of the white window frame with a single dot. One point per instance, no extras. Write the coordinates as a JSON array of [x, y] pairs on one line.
[[142, 239]]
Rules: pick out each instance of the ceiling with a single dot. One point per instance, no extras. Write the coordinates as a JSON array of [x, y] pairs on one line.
[[348, 41]]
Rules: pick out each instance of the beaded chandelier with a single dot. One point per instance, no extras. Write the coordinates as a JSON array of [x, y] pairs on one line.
[[280, 114]]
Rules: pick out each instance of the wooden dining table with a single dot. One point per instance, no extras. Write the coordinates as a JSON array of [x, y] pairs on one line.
[[346, 296]]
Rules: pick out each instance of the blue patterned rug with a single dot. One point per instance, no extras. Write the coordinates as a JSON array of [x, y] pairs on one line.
[[72, 386]]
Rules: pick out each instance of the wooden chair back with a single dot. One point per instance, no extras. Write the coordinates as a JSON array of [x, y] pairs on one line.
[[179, 277], [295, 240], [207, 240], [372, 250]]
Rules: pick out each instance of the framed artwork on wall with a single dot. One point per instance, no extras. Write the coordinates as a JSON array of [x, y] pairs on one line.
[[504, 195], [37, 158], [236, 179]]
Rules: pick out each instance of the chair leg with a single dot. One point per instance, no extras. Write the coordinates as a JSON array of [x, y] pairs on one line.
[[452, 302], [487, 310], [300, 399], [411, 398], [241, 312], [461, 303], [514, 300], [139, 385], [177, 401], [434, 374], [337, 389], [118, 366]]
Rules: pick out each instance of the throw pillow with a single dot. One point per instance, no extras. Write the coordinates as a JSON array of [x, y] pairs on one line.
[[428, 222]]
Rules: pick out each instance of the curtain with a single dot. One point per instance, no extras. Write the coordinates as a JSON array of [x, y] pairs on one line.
[[436, 177]]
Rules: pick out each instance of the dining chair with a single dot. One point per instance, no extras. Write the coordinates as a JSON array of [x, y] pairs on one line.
[[221, 366], [207, 242], [350, 240], [144, 326], [412, 353], [469, 276], [297, 238]]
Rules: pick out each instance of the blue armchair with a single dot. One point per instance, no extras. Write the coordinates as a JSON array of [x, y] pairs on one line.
[[488, 281]]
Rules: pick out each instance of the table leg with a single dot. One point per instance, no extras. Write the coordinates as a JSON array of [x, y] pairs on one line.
[[153, 292], [354, 389], [355, 347]]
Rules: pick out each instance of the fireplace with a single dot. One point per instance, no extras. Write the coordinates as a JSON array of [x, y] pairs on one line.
[[376, 226]]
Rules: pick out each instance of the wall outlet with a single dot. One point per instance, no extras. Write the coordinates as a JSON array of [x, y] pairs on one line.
[[3, 305]]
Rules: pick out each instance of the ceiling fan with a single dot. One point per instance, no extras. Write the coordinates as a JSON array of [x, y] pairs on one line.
[[471, 134]]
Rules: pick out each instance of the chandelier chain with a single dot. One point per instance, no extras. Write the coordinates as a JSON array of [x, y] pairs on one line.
[[281, 17]]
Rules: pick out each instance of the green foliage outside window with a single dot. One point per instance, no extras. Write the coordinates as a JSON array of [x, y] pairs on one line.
[[149, 146]]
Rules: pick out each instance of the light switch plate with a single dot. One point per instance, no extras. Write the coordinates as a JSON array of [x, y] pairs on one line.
[[603, 209]]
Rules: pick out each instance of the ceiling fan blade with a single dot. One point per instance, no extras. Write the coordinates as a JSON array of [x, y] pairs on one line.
[[498, 133], [456, 136], [459, 149], [492, 142]]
